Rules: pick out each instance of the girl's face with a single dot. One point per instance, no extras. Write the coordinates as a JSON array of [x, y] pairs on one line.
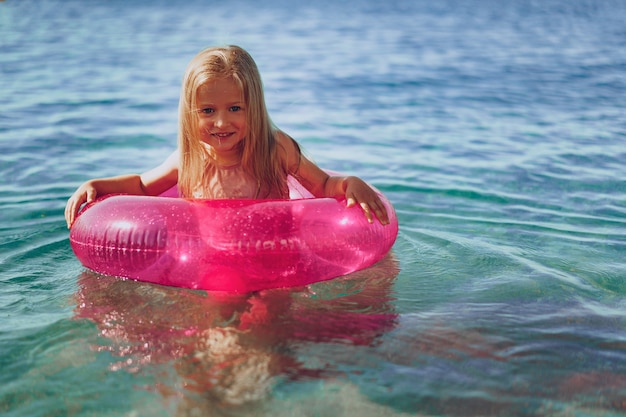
[[222, 116]]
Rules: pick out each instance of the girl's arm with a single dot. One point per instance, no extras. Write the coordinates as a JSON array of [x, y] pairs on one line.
[[152, 182], [320, 184]]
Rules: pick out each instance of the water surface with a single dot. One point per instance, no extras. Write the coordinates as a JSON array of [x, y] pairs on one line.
[[496, 129]]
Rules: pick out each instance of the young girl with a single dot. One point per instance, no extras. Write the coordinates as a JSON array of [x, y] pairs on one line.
[[228, 146]]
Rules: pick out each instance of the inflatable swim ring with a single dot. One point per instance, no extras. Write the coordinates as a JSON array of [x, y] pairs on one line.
[[229, 245]]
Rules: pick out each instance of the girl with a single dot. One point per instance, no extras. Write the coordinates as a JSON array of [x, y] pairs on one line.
[[228, 146]]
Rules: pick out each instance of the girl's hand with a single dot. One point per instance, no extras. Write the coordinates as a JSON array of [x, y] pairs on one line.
[[86, 193], [357, 191]]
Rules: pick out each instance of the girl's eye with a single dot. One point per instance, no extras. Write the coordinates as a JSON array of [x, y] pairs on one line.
[[235, 108], [206, 111]]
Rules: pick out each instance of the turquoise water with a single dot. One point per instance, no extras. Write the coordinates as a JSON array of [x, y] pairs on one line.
[[497, 129]]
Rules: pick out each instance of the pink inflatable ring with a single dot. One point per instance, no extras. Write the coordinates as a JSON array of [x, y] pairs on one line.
[[229, 245]]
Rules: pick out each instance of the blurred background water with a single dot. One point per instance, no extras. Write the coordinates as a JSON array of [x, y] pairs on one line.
[[497, 129]]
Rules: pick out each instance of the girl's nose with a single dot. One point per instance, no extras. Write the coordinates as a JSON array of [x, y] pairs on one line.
[[220, 120]]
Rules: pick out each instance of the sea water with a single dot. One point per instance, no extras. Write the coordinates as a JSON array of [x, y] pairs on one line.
[[497, 130]]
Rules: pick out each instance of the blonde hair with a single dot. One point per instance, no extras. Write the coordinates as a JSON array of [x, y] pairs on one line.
[[259, 157]]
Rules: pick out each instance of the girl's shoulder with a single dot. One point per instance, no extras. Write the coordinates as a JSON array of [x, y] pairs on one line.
[[163, 176], [282, 138], [288, 150], [174, 158], [171, 163]]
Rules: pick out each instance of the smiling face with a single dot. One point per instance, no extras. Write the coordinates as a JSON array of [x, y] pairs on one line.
[[222, 118]]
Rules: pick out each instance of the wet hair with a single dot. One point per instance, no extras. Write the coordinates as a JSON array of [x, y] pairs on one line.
[[259, 154]]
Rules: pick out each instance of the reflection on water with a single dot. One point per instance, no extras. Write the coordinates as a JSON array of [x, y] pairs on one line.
[[231, 350], [497, 133]]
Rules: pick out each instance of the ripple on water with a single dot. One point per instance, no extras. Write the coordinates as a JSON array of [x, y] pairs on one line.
[[504, 294]]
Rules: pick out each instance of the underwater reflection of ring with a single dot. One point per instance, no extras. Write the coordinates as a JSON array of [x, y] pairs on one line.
[[234, 347]]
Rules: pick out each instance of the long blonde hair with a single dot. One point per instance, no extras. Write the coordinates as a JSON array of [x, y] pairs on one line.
[[259, 157]]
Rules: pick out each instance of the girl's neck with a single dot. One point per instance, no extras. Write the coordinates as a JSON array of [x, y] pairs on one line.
[[225, 158]]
